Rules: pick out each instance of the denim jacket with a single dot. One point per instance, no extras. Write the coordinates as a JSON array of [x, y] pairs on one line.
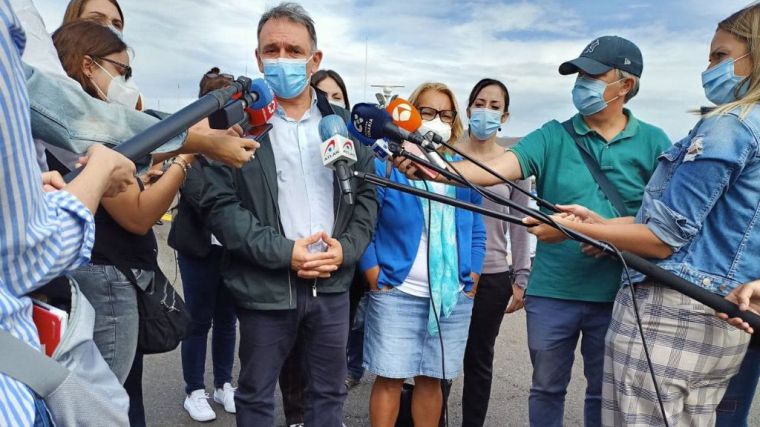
[[65, 116], [704, 202]]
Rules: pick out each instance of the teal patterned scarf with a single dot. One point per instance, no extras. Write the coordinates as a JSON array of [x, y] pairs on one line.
[[443, 259]]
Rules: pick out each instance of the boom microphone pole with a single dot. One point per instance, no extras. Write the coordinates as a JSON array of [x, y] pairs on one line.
[[651, 270], [155, 136], [398, 150]]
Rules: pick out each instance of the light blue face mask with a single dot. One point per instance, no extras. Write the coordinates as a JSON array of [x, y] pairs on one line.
[[588, 95], [484, 122], [720, 82], [287, 77]]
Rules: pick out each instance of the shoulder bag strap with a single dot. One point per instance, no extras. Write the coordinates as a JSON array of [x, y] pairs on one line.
[[22, 362], [609, 190]]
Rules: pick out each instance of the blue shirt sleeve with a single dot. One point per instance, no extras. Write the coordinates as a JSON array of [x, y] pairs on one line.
[[716, 156], [369, 259]]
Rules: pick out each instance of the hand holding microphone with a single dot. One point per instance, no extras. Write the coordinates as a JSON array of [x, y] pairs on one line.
[[247, 115]]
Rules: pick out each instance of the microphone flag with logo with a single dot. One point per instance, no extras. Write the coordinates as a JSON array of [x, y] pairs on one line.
[[338, 152]]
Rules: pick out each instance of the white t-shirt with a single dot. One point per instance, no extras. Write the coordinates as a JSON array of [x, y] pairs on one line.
[[416, 282]]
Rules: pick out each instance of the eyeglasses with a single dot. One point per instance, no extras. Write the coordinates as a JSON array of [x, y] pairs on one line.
[[229, 77], [127, 68], [447, 116]]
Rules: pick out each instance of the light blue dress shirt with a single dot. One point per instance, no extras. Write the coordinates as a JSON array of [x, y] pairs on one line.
[[305, 186]]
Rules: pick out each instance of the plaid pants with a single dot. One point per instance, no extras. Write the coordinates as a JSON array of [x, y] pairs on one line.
[[694, 355]]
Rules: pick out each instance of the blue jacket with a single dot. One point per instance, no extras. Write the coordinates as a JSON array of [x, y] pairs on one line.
[[399, 228], [702, 201]]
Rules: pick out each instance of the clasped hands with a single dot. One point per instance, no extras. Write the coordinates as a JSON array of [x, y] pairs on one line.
[[316, 265]]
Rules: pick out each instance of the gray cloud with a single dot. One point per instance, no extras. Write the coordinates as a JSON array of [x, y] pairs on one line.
[[409, 42]]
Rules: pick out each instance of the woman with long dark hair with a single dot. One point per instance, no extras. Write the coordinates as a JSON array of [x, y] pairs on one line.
[[502, 284]]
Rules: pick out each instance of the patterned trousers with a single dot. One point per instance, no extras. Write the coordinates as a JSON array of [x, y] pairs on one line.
[[694, 354]]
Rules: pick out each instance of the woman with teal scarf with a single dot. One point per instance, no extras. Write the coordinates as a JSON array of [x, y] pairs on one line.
[[421, 265]]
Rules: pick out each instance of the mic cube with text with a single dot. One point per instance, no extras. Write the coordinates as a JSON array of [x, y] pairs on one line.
[[337, 148]]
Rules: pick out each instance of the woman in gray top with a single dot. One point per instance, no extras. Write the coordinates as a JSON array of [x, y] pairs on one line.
[[488, 110]]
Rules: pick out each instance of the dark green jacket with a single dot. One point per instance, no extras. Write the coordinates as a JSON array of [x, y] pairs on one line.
[[242, 212]]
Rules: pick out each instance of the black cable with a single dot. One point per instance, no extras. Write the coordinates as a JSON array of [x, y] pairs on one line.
[[611, 247], [541, 202], [456, 176], [571, 234], [435, 313], [641, 332], [506, 202]]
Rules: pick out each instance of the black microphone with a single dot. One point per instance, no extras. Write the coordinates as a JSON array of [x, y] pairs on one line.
[[375, 123], [338, 152], [378, 146]]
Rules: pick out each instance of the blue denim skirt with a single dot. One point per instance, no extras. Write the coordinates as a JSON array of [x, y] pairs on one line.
[[397, 343]]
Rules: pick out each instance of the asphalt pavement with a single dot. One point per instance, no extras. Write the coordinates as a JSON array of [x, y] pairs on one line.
[[164, 388]]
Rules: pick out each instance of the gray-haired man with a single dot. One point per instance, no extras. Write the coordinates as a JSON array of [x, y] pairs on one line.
[[291, 241]]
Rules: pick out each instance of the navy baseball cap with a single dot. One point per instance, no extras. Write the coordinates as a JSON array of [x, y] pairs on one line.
[[604, 54]]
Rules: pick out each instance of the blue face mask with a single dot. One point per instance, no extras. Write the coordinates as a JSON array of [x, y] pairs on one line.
[[287, 77], [588, 95], [720, 82], [484, 122]]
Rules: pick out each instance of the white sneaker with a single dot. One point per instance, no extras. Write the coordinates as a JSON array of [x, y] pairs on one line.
[[197, 406], [226, 396]]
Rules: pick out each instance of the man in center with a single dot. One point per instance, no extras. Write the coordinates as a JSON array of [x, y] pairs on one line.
[[291, 240]]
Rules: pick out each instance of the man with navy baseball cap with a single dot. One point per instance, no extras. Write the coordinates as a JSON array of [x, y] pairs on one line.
[[604, 54], [600, 158]]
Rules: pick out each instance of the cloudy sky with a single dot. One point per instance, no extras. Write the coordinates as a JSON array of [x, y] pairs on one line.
[[456, 42]]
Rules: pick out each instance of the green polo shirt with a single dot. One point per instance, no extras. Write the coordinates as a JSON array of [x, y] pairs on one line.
[[562, 270]]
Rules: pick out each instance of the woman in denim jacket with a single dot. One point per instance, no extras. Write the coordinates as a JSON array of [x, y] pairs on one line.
[[700, 219]]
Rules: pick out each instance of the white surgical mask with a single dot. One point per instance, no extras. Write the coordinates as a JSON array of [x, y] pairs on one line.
[[120, 91], [437, 126], [340, 104]]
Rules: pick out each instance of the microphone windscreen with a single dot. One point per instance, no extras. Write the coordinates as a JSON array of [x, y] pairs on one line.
[[369, 120], [404, 114], [332, 125], [264, 93]]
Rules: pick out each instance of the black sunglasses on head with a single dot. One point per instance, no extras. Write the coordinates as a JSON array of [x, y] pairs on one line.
[[127, 69], [226, 76]]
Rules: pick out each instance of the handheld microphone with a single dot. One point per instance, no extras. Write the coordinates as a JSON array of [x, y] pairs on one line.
[[263, 108], [407, 117], [376, 123], [338, 152], [252, 108]]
